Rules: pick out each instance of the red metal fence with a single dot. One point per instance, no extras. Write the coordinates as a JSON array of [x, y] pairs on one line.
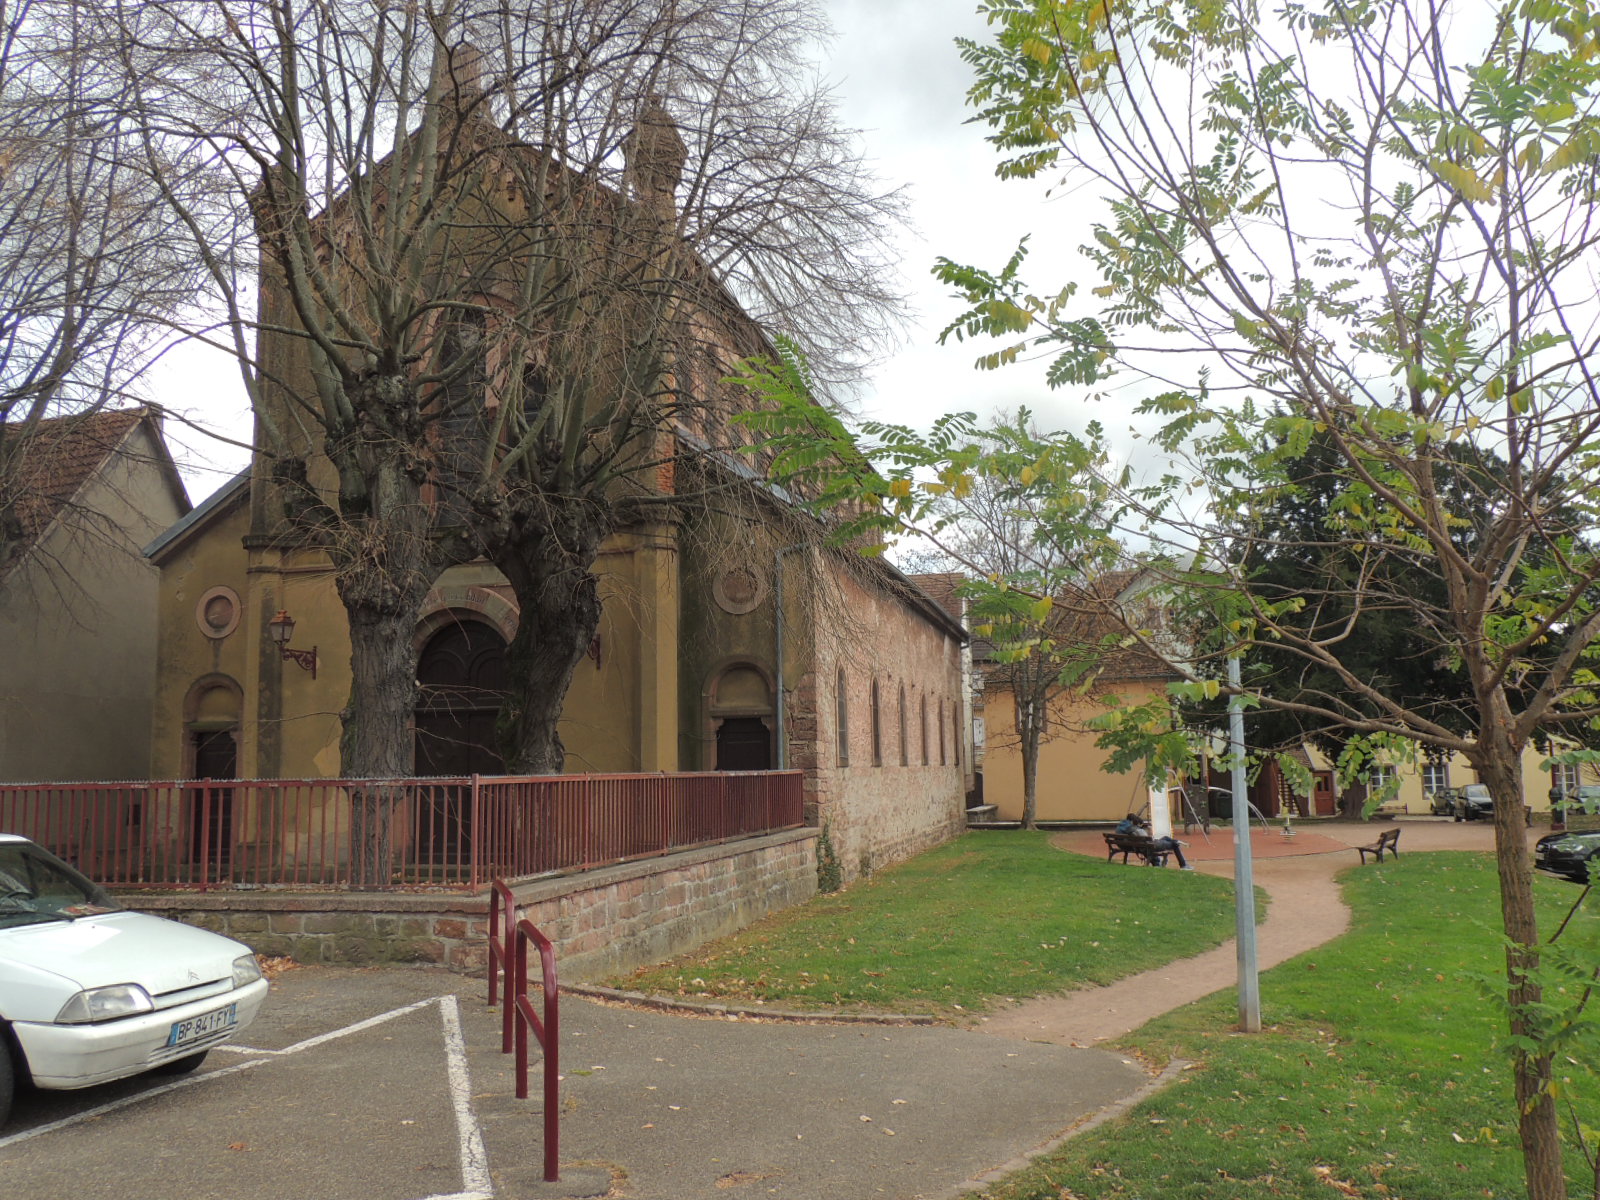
[[388, 834]]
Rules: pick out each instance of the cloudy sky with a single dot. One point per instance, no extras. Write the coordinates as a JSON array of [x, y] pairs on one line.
[[899, 79]]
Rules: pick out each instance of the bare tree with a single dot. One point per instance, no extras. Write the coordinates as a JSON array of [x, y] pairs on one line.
[[505, 254], [88, 264]]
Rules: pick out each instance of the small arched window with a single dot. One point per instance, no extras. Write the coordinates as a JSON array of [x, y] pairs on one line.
[[905, 749], [924, 722], [955, 731], [941, 731], [841, 704], [877, 727]]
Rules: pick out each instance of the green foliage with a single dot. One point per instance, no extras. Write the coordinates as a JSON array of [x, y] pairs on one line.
[[989, 916], [830, 872]]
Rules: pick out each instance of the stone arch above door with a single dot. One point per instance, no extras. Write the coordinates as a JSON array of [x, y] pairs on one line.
[[450, 605], [739, 717]]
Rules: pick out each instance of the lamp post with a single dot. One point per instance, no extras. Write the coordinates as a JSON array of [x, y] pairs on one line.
[[1244, 889], [281, 630]]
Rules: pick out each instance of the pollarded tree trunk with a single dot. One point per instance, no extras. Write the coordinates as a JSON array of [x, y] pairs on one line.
[[386, 558], [377, 741], [558, 598], [1499, 765]]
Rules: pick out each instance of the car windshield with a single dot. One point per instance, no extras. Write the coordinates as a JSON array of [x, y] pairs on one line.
[[1477, 791], [36, 886]]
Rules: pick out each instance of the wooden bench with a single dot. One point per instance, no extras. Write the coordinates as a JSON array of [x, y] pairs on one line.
[[1388, 843], [1129, 843]]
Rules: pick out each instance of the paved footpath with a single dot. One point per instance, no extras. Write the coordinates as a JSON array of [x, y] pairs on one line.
[[1304, 910], [389, 1085]]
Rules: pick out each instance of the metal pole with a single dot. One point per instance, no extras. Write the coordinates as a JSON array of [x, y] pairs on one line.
[[1244, 889], [780, 706]]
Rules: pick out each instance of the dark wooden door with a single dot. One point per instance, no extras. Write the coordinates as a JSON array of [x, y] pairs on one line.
[[744, 744], [216, 756], [462, 671], [1324, 803]]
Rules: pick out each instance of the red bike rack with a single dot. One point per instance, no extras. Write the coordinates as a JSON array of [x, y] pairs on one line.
[[508, 965]]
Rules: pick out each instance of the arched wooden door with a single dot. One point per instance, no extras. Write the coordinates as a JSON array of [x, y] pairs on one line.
[[462, 673]]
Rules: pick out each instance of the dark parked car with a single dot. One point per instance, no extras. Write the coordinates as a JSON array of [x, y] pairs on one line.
[[1567, 854], [1473, 803]]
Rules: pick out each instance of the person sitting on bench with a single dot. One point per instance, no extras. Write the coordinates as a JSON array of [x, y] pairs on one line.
[[1134, 825]]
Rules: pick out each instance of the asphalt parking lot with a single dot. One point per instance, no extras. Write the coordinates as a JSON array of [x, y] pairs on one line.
[[389, 1085]]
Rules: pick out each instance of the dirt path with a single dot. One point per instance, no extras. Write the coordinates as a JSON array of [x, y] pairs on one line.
[[1305, 910]]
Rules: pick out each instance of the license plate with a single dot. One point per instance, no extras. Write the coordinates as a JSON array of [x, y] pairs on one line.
[[198, 1028]]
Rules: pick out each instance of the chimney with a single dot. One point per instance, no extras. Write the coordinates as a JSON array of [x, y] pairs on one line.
[[654, 155]]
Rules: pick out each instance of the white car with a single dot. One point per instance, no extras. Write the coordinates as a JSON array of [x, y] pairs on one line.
[[90, 993]]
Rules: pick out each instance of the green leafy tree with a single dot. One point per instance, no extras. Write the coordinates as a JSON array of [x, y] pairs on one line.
[[1042, 632], [1364, 231]]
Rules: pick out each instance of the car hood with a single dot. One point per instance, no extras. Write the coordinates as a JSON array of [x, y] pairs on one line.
[[159, 955]]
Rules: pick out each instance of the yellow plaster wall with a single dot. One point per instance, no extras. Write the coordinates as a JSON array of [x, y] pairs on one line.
[[78, 630], [1073, 784], [290, 724]]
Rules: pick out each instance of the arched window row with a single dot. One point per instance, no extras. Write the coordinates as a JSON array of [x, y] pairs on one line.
[[925, 736]]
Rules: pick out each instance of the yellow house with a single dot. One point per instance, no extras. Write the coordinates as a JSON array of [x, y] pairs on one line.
[[1073, 783]]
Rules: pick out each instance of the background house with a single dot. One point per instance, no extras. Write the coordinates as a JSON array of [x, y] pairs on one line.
[[78, 599], [1073, 782]]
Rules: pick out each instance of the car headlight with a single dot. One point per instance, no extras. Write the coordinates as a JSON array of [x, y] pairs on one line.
[[105, 1004], [245, 970]]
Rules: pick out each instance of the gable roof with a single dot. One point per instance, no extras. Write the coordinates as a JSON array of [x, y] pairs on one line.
[[56, 459], [227, 497]]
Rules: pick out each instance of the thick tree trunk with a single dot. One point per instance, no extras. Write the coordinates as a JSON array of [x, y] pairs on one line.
[[377, 739], [386, 558], [1499, 765], [559, 602]]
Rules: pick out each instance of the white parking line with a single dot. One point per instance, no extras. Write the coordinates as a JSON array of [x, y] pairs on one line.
[[91, 1113], [476, 1182]]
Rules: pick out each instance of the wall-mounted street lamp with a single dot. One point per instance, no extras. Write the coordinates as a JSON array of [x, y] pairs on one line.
[[281, 628]]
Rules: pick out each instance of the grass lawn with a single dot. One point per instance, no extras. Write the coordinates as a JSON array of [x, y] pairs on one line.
[[1377, 1076], [989, 915]]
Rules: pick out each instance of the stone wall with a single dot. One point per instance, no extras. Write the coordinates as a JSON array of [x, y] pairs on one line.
[[602, 922], [900, 788]]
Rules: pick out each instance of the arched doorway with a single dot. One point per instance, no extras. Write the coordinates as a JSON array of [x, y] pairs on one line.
[[462, 676], [211, 752], [740, 710], [461, 673]]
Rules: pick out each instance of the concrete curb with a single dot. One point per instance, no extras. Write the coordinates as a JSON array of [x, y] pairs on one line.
[[734, 1012]]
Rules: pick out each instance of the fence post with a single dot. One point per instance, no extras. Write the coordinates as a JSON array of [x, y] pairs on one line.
[[204, 797], [474, 833]]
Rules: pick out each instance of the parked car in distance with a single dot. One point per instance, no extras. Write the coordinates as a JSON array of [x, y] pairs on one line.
[[90, 993], [1474, 803], [1567, 854], [1442, 801], [1584, 799]]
